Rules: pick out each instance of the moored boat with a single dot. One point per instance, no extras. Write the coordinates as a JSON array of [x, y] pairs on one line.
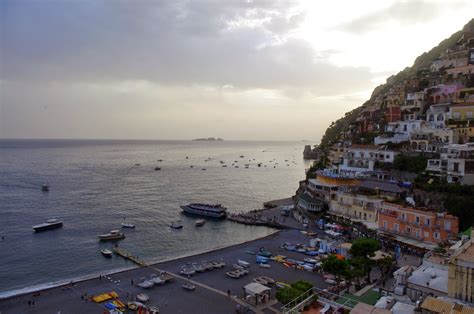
[[112, 235], [200, 222], [106, 252], [48, 225], [189, 287], [127, 225], [45, 188], [176, 225], [207, 210]]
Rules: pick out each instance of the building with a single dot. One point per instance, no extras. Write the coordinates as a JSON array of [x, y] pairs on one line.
[[363, 158], [461, 112], [356, 207], [429, 279], [417, 223], [461, 272], [441, 306], [456, 163]]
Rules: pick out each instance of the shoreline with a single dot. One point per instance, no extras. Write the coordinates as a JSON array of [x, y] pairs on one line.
[[152, 262]]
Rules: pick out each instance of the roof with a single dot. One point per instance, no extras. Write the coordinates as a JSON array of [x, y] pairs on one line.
[[364, 146], [256, 288], [362, 308], [430, 278], [381, 186], [445, 307], [402, 308], [466, 254]]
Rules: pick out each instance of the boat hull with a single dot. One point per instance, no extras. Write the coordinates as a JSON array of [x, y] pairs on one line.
[[47, 227], [202, 213]]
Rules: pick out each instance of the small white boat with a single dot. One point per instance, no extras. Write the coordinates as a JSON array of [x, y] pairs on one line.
[[106, 252], [141, 297], [189, 287], [176, 225], [145, 284], [157, 280], [264, 265], [243, 263], [200, 222], [127, 225]]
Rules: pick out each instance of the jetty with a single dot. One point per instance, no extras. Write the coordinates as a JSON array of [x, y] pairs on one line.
[[125, 254]]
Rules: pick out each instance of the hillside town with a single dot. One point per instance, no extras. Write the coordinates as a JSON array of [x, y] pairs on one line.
[[400, 169]]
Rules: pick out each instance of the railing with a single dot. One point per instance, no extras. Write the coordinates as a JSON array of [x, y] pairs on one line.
[[295, 306]]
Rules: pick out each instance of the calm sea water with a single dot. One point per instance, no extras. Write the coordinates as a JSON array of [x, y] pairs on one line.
[[96, 184]]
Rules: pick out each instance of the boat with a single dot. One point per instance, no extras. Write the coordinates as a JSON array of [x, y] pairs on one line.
[[157, 280], [189, 287], [187, 271], [204, 169], [157, 168], [48, 225], [145, 284], [264, 265], [106, 252], [141, 297], [127, 225], [243, 263], [112, 235], [207, 210], [224, 166], [200, 222], [176, 225], [45, 188]]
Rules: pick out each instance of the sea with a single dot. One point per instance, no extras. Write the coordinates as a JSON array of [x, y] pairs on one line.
[[95, 185]]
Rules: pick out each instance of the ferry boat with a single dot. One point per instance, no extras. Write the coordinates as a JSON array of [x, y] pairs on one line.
[[207, 210], [112, 235], [49, 225]]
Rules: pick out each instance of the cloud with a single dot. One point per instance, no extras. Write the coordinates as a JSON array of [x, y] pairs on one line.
[[243, 44], [401, 12]]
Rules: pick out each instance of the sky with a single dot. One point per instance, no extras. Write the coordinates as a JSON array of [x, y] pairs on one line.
[[241, 70]]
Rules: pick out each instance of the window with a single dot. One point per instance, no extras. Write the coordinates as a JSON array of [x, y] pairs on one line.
[[396, 227], [404, 216], [456, 115], [417, 220], [447, 225], [427, 221], [385, 224], [427, 234], [436, 235], [469, 114]]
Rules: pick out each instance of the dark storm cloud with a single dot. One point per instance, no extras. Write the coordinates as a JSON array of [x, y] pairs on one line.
[[238, 43], [402, 12]]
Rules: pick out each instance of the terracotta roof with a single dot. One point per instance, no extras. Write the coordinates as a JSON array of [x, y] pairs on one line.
[[445, 307]]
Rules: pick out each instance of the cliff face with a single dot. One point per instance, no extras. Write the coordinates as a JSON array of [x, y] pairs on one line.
[[419, 71]]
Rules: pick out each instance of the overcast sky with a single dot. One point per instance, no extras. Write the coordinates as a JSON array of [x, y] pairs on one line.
[[277, 70]]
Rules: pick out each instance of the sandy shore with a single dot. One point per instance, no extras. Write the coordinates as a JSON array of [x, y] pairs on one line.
[[210, 295]]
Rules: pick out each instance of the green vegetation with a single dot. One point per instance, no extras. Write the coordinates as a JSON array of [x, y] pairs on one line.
[[412, 164], [340, 268], [288, 294], [362, 250]]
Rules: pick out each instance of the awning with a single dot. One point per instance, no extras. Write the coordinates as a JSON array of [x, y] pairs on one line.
[[255, 288]]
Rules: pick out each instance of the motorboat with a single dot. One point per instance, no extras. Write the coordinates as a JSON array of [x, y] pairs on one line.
[[233, 274], [176, 225], [200, 222], [45, 188], [106, 252], [207, 210], [189, 287], [199, 268], [157, 280], [264, 265], [187, 271], [237, 267], [141, 297], [112, 235], [127, 225], [243, 263], [145, 284], [224, 166], [203, 169], [157, 168], [48, 225]]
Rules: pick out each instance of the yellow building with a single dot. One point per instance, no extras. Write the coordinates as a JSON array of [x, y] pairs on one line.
[[356, 207], [461, 272], [462, 111]]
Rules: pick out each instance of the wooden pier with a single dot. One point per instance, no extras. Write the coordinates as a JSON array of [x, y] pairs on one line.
[[123, 253]]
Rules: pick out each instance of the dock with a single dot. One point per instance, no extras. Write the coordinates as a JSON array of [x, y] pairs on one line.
[[125, 254]]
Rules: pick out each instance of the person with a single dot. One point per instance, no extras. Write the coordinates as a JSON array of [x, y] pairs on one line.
[[33, 303], [131, 281], [228, 292], [29, 303]]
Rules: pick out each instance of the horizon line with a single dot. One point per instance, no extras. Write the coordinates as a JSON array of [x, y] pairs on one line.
[[141, 139]]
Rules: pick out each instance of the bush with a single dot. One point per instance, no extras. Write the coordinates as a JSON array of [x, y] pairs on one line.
[[412, 164], [288, 294]]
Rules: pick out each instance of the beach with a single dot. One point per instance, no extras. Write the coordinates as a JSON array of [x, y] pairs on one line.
[[210, 296]]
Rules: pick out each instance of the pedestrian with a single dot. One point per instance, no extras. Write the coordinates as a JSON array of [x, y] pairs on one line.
[[131, 281], [33, 303], [29, 303], [228, 293]]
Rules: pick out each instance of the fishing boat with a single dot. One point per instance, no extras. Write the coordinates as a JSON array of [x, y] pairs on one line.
[[200, 222], [189, 287], [48, 225], [243, 263], [112, 235], [106, 252], [207, 210], [176, 225], [141, 297], [127, 225]]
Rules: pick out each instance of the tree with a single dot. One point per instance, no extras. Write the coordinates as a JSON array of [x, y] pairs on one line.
[[364, 249], [337, 267], [289, 293], [385, 264]]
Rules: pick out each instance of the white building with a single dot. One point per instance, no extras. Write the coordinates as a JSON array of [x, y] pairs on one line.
[[456, 163], [362, 158], [437, 115]]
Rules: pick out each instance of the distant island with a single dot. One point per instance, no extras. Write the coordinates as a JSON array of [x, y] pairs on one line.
[[209, 139]]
